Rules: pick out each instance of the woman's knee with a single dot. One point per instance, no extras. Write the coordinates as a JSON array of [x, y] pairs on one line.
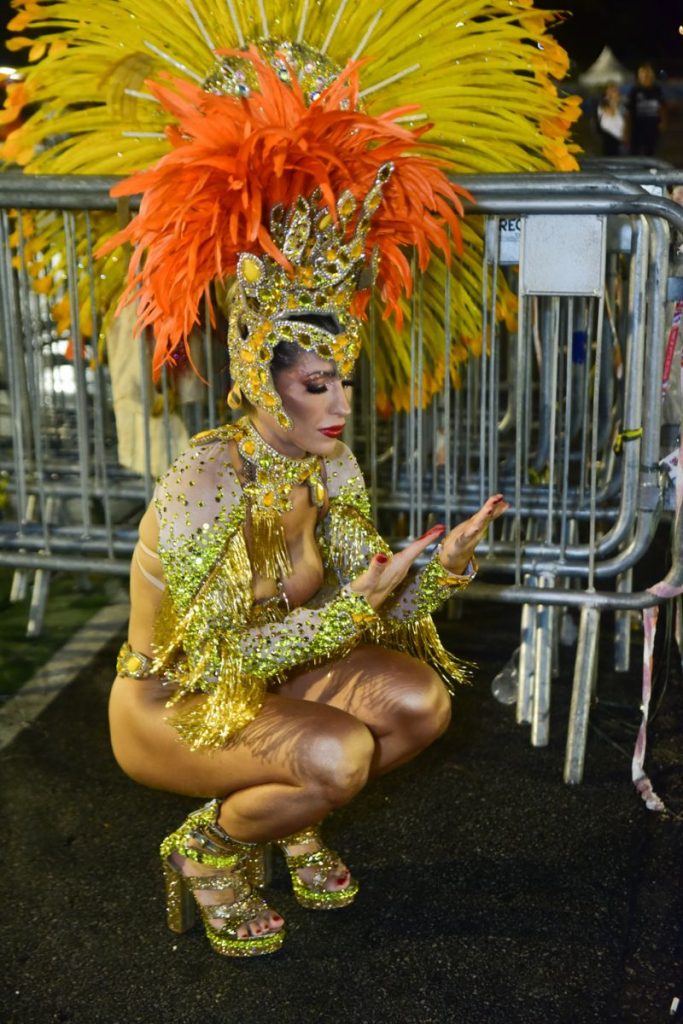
[[338, 759], [422, 702]]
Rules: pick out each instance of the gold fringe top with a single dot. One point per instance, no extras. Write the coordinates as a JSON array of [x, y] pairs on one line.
[[209, 636]]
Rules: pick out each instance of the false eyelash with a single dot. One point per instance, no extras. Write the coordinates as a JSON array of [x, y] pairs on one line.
[[319, 389]]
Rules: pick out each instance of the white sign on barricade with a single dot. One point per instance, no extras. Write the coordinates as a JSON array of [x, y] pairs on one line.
[[509, 233], [563, 254]]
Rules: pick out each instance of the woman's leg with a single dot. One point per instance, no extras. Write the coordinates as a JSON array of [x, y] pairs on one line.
[[286, 770], [290, 766], [402, 701]]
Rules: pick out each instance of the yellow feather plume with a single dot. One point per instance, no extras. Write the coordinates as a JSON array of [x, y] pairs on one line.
[[483, 73]]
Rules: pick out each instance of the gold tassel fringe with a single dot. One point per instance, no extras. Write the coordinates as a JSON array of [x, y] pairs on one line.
[[353, 540], [200, 655], [205, 725], [419, 638], [270, 558]]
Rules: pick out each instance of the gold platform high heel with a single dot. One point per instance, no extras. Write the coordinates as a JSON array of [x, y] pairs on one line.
[[203, 841], [313, 894]]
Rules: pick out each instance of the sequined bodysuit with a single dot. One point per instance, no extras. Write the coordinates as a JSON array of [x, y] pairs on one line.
[[210, 636]]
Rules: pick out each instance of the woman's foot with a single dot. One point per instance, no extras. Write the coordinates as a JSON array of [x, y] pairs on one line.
[[320, 879], [205, 868], [265, 923], [332, 874]]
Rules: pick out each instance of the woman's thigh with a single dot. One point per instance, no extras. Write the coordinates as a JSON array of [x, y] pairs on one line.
[[286, 743], [377, 686]]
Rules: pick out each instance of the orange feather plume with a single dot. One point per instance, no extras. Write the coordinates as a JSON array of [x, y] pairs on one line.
[[233, 160]]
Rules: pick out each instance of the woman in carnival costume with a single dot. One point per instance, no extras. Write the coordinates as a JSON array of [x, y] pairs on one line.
[[279, 655]]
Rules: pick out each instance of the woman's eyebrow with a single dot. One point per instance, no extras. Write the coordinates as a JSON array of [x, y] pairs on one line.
[[327, 374]]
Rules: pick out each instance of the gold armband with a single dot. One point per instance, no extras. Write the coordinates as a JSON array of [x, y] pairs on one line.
[[458, 580], [133, 664]]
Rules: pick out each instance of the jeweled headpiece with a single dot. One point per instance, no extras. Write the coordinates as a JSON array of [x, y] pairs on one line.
[[309, 305]]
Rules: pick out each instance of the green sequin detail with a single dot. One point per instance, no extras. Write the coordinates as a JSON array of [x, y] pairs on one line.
[[435, 586], [307, 636], [189, 559]]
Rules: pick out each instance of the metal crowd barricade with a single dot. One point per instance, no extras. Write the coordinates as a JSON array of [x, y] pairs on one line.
[[538, 417], [540, 421], [71, 502]]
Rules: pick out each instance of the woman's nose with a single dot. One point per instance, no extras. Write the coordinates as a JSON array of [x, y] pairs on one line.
[[341, 404]]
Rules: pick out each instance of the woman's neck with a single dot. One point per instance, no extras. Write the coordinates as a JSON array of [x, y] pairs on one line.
[[276, 438]]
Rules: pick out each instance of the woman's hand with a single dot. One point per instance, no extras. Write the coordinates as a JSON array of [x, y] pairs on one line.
[[458, 547], [387, 571]]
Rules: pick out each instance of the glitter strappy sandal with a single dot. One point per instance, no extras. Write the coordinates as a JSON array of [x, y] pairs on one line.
[[202, 840], [313, 894]]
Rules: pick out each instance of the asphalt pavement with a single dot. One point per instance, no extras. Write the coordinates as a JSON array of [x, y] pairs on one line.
[[492, 893]]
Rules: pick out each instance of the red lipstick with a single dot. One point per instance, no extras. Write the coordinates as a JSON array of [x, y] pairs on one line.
[[332, 431]]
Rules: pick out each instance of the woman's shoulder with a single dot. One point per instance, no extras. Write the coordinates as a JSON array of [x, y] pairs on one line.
[[201, 482], [207, 454]]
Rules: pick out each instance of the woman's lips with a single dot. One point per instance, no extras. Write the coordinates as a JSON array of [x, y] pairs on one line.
[[331, 431]]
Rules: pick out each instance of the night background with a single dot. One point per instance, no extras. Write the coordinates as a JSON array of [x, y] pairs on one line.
[[636, 30]]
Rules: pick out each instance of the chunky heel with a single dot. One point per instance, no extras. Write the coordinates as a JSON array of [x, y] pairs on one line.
[[180, 903], [241, 871], [257, 867]]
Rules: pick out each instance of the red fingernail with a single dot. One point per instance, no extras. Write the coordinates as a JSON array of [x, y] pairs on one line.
[[276, 917], [439, 528], [381, 559]]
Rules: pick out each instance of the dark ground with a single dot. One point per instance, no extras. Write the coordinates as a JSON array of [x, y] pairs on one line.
[[491, 892], [73, 600]]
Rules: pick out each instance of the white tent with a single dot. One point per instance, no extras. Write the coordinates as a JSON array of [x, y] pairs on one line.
[[606, 69]]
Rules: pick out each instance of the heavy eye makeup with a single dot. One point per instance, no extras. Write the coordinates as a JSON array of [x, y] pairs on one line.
[[317, 386]]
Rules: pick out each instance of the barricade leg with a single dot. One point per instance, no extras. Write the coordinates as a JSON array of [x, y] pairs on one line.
[[525, 679], [40, 591], [543, 669], [585, 675], [20, 576], [41, 581], [623, 618]]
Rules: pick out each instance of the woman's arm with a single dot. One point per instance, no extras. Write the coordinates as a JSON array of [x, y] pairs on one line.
[[350, 540], [147, 585], [304, 635]]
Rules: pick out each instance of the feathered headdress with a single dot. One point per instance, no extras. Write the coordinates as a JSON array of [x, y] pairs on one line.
[[301, 196], [482, 72]]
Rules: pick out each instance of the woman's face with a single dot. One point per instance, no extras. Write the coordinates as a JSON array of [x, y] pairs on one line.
[[317, 403], [646, 76]]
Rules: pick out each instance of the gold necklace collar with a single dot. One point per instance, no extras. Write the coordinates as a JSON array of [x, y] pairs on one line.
[[270, 479]]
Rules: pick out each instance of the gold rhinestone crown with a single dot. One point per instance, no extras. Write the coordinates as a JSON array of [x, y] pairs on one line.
[[309, 302], [232, 75]]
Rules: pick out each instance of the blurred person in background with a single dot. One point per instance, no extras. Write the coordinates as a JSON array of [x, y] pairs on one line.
[[647, 114], [611, 118]]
